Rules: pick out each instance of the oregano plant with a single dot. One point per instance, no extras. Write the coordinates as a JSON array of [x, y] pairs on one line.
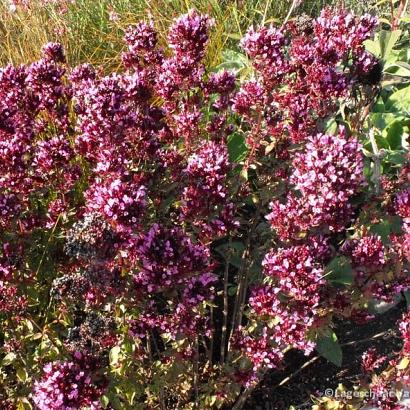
[[169, 232]]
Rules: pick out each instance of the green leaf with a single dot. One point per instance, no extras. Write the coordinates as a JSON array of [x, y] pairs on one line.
[[395, 157], [237, 148], [114, 400], [236, 261], [232, 290], [381, 142], [22, 374], [399, 101], [381, 120], [23, 401], [105, 401], [407, 297], [382, 229], [339, 271], [23, 404], [387, 41], [234, 36], [402, 66], [330, 126], [329, 348], [379, 106], [373, 46], [394, 134], [8, 359], [114, 355], [238, 246], [396, 224], [386, 227], [232, 60]]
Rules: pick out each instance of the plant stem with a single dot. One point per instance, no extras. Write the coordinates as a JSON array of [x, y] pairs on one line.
[[226, 302], [400, 11], [47, 243], [246, 273], [211, 342], [242, 281], [295, 3], [239, 290], [377, 166], [246, 393], [268, 4], [196, 372]]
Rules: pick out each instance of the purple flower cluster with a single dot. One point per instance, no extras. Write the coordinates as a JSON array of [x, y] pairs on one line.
[[127, 182], [369, 251], [297, 281], [34, 101], [302, 72], [120, 203], [260, 350], [339, 34], [168, 257], [249, 98], [206, 193], [287, 306], [10, 300], [187, 38], [371, 360], [327, 174], [266, 49], [296, 273], [67, 385], [404, 327], [380, 271], [402, 207], [142, 41]]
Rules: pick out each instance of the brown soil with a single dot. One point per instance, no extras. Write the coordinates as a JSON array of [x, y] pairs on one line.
[[381, 333]]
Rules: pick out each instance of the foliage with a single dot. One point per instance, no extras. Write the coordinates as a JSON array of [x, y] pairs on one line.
[[170, 231]]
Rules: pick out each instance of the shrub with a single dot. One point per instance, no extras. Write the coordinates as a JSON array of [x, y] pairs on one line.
[[137, 266]]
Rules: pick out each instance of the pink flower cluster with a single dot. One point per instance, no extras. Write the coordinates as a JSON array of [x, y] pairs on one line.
[[402, 207], [117, 191], [168, 258], [404, 328], [371, 361], [34, 100], [287, 305], [266, 49], [187, 38], [373, 263], [302, 73], [326, 175], [206, 194], [260, 350], [121, 203], [369, 252], [67, 385], [297, 280]]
